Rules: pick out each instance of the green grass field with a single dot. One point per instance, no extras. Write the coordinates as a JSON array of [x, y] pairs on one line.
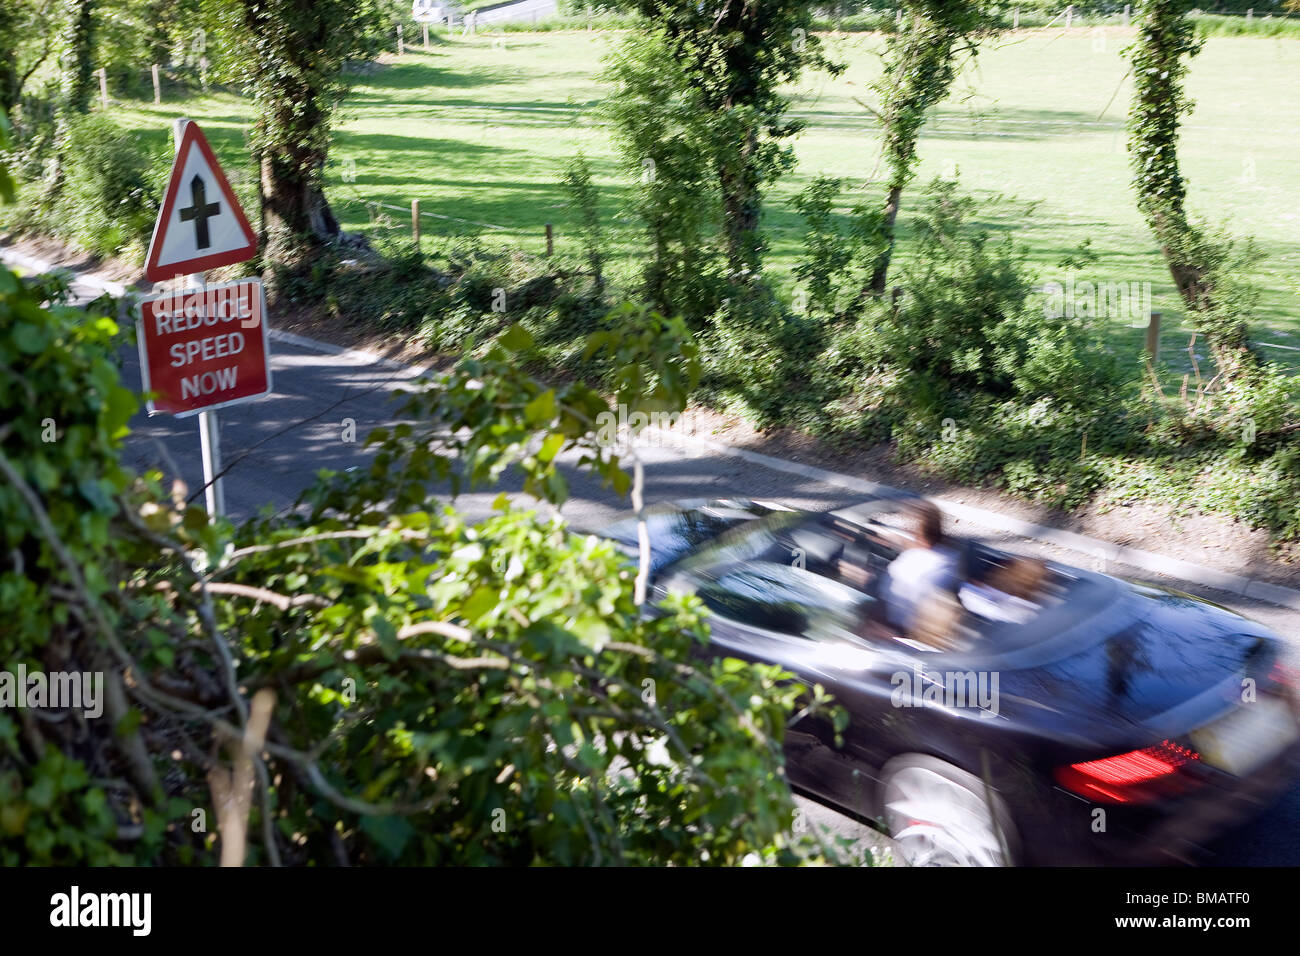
[[478, 129]]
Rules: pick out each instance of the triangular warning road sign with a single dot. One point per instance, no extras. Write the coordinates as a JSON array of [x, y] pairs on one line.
[[201, 225]]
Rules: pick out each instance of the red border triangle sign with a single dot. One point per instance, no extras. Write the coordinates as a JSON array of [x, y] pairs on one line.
[[201, 225]]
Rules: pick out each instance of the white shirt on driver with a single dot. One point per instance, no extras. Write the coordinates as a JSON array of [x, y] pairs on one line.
[[912, 577]]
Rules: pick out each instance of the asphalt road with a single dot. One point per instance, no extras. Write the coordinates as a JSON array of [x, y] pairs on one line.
[[273, 448]]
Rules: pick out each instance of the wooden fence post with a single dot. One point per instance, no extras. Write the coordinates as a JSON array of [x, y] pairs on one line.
[[157, 90], [401, 48], [1153, 337], [550, 240], [103, 86], [415, 222]]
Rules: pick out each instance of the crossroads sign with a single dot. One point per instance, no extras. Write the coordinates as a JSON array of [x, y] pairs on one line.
[[201, 225]]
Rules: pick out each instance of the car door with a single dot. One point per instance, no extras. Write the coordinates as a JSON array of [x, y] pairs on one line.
[[783, 614]]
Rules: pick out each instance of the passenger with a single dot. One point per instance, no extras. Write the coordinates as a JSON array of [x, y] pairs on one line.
[[926, 570], [937, 622], [1010, 593]]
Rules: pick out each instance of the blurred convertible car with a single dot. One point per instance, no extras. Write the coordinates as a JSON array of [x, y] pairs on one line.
[[1117, 723]]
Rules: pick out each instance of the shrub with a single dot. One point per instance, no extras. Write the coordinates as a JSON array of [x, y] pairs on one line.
[[967, 319], [841, 250], [584, 200], [65, 414], [110, 196]]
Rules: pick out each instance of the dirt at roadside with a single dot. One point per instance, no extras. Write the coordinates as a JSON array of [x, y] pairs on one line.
[[1211, 540]]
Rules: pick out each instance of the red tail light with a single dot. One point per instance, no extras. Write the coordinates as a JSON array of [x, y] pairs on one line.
[[1138, 776], [1287, 676]]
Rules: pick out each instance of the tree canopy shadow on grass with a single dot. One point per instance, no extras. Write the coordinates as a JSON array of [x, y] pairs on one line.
[[411, 76], [954, 122], [466, 186]]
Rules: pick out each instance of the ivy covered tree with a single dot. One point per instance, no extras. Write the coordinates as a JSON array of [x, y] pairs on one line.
[[12, 23], [922, 58], [729, 63], [75, 51], [664, 138], [291, 57], [1199, 263], [77, 54]]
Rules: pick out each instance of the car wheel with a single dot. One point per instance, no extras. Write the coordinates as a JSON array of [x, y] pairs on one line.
[[940, 815]]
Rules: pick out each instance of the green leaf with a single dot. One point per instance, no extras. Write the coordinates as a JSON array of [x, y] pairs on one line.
[[41, 793], [479, 603], [385, 632], [540, 409], [515, 339], [31, 338], [391, 834], [550, 448]]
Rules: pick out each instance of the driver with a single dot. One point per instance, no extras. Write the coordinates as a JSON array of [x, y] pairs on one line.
[[921, 573]]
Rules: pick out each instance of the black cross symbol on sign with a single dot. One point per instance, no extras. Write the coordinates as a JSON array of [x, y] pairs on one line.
[[200, 211]]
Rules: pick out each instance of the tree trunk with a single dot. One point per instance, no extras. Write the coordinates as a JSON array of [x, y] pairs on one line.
[[76, 72], [9, 40], [880, 274], [296, 216], [742, 209], [78, 53], [294, 95], [919, 72], [160, 49], [1228, 337], [8, 86]]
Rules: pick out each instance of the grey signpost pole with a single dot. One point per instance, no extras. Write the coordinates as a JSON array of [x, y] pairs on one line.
[[209, 429], [210, 447]]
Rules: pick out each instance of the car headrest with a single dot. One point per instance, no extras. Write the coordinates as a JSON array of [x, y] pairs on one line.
[[818, 548]]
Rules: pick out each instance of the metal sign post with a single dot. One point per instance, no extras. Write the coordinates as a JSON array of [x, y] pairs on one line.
[[214, 496]]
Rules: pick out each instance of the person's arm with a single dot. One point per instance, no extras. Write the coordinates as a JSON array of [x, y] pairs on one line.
[[855, 574]]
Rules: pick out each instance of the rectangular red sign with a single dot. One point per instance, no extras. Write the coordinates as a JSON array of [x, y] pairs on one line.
[[205, 348]]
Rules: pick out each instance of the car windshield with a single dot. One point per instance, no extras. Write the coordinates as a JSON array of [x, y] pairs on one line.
[[786, 599], [822, 577]]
